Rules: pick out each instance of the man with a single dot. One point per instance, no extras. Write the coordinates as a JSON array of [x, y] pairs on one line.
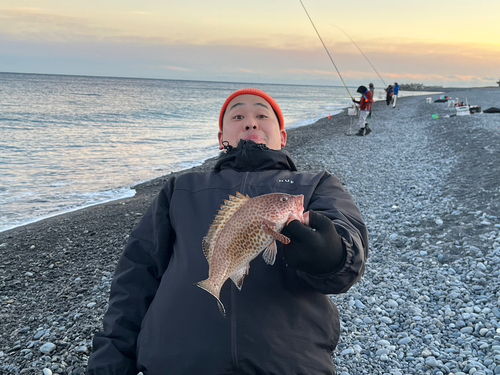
[[281, 321], [365, 106], [395, 95], [389, 92]]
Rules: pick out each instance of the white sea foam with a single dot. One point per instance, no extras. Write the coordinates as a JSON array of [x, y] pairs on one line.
[[86, 200]]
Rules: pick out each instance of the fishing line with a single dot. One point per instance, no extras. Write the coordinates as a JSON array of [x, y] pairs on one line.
[[362, 54], [340, 75]]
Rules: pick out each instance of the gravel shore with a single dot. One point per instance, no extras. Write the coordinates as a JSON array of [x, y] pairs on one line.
[[429, 303]]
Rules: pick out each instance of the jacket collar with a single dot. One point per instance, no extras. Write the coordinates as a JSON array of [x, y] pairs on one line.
[[249, 156]]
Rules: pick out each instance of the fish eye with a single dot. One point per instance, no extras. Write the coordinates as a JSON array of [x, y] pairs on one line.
[[284, 199]]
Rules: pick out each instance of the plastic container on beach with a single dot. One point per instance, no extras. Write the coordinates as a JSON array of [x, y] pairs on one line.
[[428, 100], [435, 117]]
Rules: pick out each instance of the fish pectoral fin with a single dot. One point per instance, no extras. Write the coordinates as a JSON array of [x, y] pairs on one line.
[[267, 227], [269, 254], [239, 275]]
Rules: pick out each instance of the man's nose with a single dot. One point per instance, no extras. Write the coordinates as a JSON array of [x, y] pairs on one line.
[[251, 124]]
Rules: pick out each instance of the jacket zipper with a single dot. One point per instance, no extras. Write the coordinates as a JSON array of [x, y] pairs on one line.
[[234, 348], [234, 291], [244, 150]]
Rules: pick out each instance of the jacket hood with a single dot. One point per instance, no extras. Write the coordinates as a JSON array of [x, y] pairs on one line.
[[249, 156], [362, 89]]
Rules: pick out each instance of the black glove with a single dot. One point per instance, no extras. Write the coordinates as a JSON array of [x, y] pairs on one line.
[[316, 252]]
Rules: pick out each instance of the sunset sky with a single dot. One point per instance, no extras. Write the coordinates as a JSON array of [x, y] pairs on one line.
[[434, 42]]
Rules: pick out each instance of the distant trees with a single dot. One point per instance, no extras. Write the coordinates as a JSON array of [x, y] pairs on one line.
[[418, 87], [421, 87]]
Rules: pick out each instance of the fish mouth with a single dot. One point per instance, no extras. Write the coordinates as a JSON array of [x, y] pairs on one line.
[[298, 212], [300, 208], [301, 200], [300, 204]]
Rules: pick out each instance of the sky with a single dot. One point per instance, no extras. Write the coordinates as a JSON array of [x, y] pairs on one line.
[[433, 42]]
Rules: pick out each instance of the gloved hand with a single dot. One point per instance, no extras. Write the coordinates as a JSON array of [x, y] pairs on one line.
[[317, 249]]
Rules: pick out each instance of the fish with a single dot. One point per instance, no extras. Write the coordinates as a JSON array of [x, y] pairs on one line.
[[243, 228]]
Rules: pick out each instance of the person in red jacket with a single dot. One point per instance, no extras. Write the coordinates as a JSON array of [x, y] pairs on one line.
[[365, 106]]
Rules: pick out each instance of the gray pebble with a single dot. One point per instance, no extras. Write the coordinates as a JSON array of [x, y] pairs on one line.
[[431, 361], [359, 304], [404, 341], [47, 348], [81, 349], [467, 330]]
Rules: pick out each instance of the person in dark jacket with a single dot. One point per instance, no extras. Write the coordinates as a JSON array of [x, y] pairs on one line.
[[389, 92], [365, 107], [281, 321]]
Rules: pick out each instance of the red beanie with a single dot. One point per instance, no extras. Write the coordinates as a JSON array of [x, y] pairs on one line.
[[255, 92]]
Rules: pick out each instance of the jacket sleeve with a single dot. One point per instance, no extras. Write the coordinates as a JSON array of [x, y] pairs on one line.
[[332, 200], [134, 286]]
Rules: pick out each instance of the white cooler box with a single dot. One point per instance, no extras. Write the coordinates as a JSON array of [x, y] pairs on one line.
[[463, 110]]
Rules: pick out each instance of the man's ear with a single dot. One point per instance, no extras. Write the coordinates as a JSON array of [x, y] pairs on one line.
[[221, 147], [283, 138]]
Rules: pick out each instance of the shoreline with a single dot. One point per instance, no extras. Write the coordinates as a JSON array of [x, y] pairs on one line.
[[428, 190]]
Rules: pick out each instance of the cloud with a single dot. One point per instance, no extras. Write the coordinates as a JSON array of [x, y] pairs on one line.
[[35, 24], [30, 33], [311, 72], [244, 70], [140, 13], [177, 68]]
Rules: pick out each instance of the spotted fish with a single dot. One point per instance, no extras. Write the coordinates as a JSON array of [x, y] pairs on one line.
[[242, 229]]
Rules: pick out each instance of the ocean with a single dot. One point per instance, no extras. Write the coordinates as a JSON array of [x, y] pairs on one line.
[[69, 142]]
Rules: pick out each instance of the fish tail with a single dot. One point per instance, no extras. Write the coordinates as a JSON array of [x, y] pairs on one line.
[[207, 286]]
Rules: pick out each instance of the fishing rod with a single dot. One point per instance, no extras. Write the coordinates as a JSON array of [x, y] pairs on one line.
[[362, 54], [340, 75]]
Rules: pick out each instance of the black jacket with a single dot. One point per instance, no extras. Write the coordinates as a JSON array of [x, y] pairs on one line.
[[281, 322]]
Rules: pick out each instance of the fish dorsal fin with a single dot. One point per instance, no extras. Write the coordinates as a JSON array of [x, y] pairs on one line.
[[225, 213]]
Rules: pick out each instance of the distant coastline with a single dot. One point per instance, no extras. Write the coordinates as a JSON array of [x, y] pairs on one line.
[[445, 89], [425, 88]]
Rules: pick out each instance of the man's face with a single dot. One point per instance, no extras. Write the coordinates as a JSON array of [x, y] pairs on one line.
[[251, 118]]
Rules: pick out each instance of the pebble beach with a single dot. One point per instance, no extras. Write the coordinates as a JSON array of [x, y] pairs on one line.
[[429, 303]]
